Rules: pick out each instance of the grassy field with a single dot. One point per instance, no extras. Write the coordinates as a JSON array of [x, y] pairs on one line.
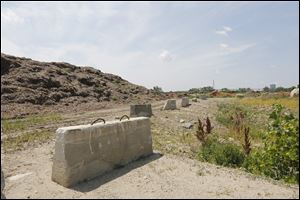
[[291, 103], [23, 140], [256, 114], [13, 125], [19, 133], [250, 123]]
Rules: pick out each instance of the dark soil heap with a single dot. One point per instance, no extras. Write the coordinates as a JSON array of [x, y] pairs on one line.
[[25, 81]]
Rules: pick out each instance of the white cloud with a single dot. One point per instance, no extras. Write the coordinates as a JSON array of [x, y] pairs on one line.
[[227, 28], [166, 56], [223, 45], [9, 16], [223, 32], [229, 50]]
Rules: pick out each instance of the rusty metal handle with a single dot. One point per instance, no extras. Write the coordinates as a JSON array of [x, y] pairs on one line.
[[123, 117], [98, 120]]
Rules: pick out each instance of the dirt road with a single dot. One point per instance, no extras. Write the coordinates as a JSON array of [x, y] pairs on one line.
[[28, 172]]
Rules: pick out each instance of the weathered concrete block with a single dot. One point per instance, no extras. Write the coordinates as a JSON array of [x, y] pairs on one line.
[[185, 102], [170, 105], [86, 151], [144, 110]]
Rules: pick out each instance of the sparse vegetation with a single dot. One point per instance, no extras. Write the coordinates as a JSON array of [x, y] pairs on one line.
[[19, 142], [291, 103], [236, 116], [233, 115], [12, 125]]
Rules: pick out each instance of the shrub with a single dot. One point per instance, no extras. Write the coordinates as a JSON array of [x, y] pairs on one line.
[[240, 96], [279, 158], [203, 130], [157, 90], [114, 98], [222, 154], [238, 121], [206, 89], [247, 142]]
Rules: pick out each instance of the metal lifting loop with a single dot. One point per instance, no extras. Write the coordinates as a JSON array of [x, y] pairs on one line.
[[123, 117], [98, 120]]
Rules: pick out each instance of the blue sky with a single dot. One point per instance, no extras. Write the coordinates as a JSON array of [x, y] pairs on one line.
[[175, 45]]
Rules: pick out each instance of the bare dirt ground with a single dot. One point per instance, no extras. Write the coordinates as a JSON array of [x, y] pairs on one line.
[[162, 175]]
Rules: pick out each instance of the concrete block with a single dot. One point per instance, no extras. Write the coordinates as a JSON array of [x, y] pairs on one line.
[[185, 102], [87, 151], [143, 110], [170, 105]]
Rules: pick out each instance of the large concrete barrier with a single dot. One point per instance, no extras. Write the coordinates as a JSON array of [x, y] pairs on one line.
[[86, 151], [170, 105], [185, 102], [143, 110]]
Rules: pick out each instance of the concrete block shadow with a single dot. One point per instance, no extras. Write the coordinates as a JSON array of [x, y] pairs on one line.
[[96, 182]]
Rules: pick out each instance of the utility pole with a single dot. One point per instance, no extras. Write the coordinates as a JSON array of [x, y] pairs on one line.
[[213, 84]]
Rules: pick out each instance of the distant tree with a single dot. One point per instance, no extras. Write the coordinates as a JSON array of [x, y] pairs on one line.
[[244, 90], [206, 89], [157, 89], [281, 89], [266, 89], [194, 90], [225, 90]]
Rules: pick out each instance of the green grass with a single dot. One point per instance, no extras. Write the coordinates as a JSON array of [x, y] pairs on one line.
[[13, 125], [258, 114], [291, 103], [17, 143], [178, 143], [225, 154], [256, 119]]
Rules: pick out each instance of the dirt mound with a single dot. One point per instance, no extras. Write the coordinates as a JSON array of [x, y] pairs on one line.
[[25, 81]]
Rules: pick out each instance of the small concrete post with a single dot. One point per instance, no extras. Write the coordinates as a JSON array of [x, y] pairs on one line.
[[170, 105], [185, 102], [144, 110]]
